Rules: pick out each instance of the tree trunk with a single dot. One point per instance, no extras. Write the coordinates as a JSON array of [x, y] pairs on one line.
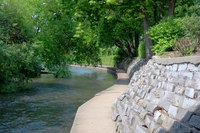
[[161, 9], [171, 8], [155, 11], [147, 40], [137, 42]]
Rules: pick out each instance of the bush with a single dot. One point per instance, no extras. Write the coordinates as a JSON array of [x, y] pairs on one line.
[[165, 34], [18, 64], [191, 26], [142, 51], [120, 57], [186, 46]]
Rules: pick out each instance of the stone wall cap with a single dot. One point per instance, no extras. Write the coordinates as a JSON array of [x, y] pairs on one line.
[[176, 60]]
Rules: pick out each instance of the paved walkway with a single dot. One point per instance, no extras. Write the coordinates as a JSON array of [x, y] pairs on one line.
[[94, 116]]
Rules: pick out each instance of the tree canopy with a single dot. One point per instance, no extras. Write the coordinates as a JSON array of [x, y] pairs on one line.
[[55, 33]]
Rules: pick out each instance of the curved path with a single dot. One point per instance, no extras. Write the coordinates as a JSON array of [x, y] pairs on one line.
[[94, 116]]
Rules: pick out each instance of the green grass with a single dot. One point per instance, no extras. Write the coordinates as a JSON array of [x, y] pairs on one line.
[[107, 60]]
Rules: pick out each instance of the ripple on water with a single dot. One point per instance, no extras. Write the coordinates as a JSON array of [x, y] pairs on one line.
[[52, 105]]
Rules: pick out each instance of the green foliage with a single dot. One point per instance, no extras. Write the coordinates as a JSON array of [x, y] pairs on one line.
[[120, 56], [15, 21], [61, 71], [18, 64], [191, 26], [107, 55], [186, 46], [107, 60], [142, 51], [165, 34], [14, 87]]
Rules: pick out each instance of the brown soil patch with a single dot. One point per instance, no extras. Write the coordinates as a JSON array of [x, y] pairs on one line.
[[173, 54]]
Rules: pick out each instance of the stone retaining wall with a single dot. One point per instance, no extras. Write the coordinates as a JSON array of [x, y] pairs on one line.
[[161, 98]]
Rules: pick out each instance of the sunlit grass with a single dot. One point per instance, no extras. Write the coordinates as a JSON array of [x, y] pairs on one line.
[[107, 60]]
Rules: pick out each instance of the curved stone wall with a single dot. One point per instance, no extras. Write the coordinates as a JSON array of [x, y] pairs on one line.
[[162, 96]]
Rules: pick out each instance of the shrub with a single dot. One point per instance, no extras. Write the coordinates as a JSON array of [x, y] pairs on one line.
[[186, 46], [164, 35], [18, 64], [191, 27], [120, 57], [142, 51]]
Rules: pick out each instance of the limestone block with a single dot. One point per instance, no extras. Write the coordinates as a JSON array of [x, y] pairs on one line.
[[172, 80], [153, 126], [159, 83], [143, 103], [115, 115], [179, 89], [167, 122], [174, 67], [169, 96], [153, 77], [143, 113], [183, 115], [132, 94], [167, 67], [174, 74], [148, 120], [160, 130], [159, 93], [197, 86], [125, 120], [182, 67], [190, 92], [154, 83], [172, 111], [199, 68], [142, 94], [131, 117], [187, 103], [157, 72], [148, 97], [186, 75], [164, 85], [122, 96], [168, 74], [170, 87], [195, 121], [157, 117], [136, 108], [192, 67], [179, 100], [162, 72], [141, 129], [136, 99], [197, 75], [164, 103], [151, 107], [190, 83]]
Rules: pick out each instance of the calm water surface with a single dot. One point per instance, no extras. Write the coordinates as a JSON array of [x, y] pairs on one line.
[[51, 106]]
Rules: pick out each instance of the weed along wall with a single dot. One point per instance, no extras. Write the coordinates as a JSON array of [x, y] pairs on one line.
[[162, 96]]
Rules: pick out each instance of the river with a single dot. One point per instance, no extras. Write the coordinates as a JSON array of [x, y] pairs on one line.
[[51, 106]]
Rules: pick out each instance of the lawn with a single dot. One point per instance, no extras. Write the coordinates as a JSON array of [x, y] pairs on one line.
[[107, 60]]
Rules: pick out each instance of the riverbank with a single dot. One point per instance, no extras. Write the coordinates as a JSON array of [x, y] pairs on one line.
[[94, 116]]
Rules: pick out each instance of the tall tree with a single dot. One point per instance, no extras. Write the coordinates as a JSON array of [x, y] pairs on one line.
[[171, 8]]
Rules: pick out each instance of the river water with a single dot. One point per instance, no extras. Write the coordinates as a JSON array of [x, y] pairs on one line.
[[51, 106]]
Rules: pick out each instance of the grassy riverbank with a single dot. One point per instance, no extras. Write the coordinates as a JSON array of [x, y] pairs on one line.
[[107, 60]]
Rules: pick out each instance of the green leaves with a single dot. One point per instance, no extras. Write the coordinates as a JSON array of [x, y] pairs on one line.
[[165, 34], [18, 63]]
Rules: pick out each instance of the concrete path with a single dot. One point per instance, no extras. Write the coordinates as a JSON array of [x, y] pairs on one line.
[[94, 116]]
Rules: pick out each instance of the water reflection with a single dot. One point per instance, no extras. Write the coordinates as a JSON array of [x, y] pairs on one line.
[[52, 105]]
